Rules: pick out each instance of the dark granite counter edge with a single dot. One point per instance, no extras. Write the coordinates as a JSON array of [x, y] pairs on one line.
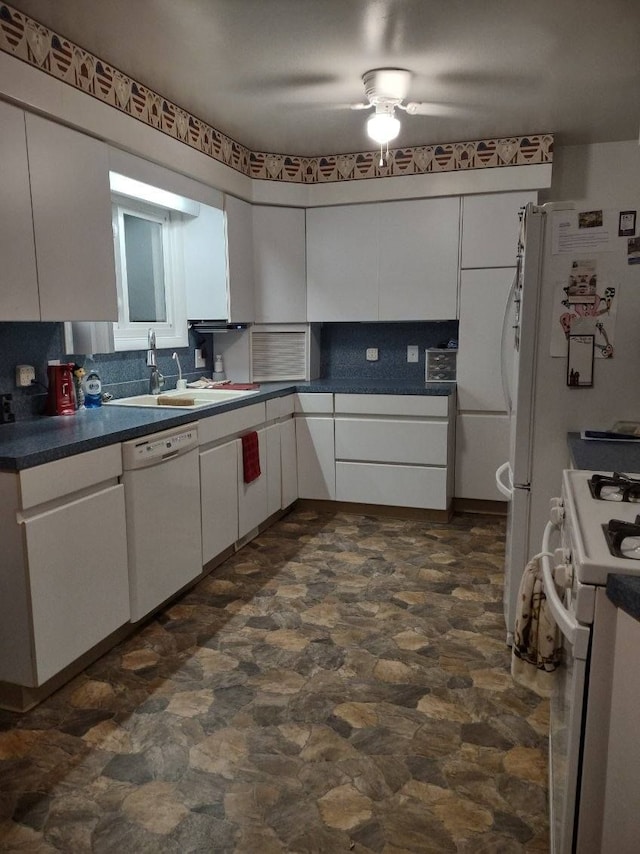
[[592, 455], [44, 439], [624, 592]]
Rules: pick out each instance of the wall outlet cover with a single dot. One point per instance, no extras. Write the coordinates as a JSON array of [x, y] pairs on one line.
[[413, 353], [372, 354], [199, 361], [25, 375]]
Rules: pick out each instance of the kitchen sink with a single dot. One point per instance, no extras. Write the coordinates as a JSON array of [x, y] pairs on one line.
[[201, 397]]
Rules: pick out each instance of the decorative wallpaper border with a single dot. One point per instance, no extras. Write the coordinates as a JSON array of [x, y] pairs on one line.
[[26, 39]]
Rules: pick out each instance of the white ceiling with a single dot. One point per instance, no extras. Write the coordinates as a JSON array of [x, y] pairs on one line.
[[277, 75]]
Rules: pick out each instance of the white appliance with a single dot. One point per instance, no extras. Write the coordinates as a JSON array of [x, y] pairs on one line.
[[161, 477], [542, 407], [583, 811]]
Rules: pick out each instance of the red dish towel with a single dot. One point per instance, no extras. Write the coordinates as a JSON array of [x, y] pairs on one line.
[[250, 457]]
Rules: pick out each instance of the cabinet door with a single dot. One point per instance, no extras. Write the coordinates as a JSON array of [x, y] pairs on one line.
[[77, 556], [316, 457], [289, 462], [342, 263], [482, 444], [418, 251], [240, 260], [252, 497], [483, 297], [219, 499], [274, 469], [71, 203], [19, 278], [490, 228], [279, 265], [205, 265]]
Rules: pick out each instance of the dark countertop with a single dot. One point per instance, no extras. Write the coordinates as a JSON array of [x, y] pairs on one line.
[[42, 439], [624, 592], [591, 455]]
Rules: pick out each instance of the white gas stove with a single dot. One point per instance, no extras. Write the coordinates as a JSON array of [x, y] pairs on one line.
[[592, 500], [596, 522]]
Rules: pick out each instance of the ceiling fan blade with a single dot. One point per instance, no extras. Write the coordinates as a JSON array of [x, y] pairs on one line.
[[417, 108]]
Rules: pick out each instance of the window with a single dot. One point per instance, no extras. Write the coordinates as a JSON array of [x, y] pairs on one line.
[[149, 275]]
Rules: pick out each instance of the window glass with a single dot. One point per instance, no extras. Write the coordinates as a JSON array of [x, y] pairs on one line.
[[144, 269]]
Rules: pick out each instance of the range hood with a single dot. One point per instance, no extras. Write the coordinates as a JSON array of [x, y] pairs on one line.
[[203, 326]]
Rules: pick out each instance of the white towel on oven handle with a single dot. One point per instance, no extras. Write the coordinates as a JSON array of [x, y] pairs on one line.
[[536, 649]]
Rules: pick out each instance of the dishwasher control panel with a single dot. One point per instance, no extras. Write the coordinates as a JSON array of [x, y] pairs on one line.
[[152, 449]]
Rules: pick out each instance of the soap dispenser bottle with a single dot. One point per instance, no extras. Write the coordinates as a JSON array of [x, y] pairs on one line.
[[218, 369]]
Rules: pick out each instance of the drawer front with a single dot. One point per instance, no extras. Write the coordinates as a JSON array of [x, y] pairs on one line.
[[279, 407], [63, 477], [391, 441], [398, 486], [230, 423], [436, 406], [312, 402]]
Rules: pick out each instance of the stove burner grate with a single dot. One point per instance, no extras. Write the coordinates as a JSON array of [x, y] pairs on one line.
[[623, 538], [615, 487]]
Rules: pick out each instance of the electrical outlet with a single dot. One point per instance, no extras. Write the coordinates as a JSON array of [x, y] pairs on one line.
[[25, 375], [199, 361], [412, 353], [372, 354]]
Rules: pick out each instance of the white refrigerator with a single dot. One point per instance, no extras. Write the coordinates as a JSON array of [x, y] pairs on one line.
[[560, 246]]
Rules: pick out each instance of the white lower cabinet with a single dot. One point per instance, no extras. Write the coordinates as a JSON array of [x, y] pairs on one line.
[[289, 462], [315, 446], [273, 469], [219, 499], [405, 460], [65, 585], [252, 497], [482, 444]]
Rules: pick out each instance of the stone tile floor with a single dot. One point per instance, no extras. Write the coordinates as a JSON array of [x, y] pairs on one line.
[[339, 685]]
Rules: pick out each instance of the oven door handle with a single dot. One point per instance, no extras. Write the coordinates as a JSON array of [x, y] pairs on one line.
[[575, 633]]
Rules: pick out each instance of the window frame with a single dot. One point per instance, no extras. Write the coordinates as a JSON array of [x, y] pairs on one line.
[[172, 333]]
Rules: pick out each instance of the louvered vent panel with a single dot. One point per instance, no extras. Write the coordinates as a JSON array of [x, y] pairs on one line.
[[278, 356]]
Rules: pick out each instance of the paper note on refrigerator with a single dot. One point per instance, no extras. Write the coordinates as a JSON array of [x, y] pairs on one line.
[[583, 231]]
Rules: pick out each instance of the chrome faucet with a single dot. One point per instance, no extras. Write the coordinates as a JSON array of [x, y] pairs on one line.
[[156, 379]]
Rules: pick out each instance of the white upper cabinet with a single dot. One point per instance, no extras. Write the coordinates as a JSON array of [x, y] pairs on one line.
[[279, 264], [205, 265], [418, 252], [383, 261], [342, 263], [19, 278], [240, 260], [483, 298], [490, 227], [71, 203], [56, 238]]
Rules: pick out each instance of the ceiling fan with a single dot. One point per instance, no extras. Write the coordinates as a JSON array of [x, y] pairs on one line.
[[385, 90]]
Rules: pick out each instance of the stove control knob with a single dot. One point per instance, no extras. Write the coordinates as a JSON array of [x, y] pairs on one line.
[[557, 513], [563, 575]]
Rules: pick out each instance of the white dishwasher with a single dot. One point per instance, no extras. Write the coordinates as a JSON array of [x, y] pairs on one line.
[[161, 477]]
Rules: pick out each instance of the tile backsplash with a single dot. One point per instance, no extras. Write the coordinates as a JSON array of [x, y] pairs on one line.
[[343, 348], [344, 345], [124, 373]]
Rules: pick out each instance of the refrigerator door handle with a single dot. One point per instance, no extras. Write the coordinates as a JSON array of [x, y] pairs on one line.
[[505, 488], [507, 334]]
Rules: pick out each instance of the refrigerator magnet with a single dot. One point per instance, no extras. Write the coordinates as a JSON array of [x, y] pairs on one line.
[[627, 224], [580, 361]]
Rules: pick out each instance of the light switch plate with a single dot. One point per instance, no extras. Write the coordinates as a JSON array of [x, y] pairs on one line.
[[372, 354], [412, 353], [199, 361]]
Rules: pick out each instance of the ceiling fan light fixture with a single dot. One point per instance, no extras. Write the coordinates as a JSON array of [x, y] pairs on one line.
[[383, 126]]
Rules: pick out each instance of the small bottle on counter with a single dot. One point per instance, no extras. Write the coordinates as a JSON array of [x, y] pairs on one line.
[[218, 369], [92, 385]]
